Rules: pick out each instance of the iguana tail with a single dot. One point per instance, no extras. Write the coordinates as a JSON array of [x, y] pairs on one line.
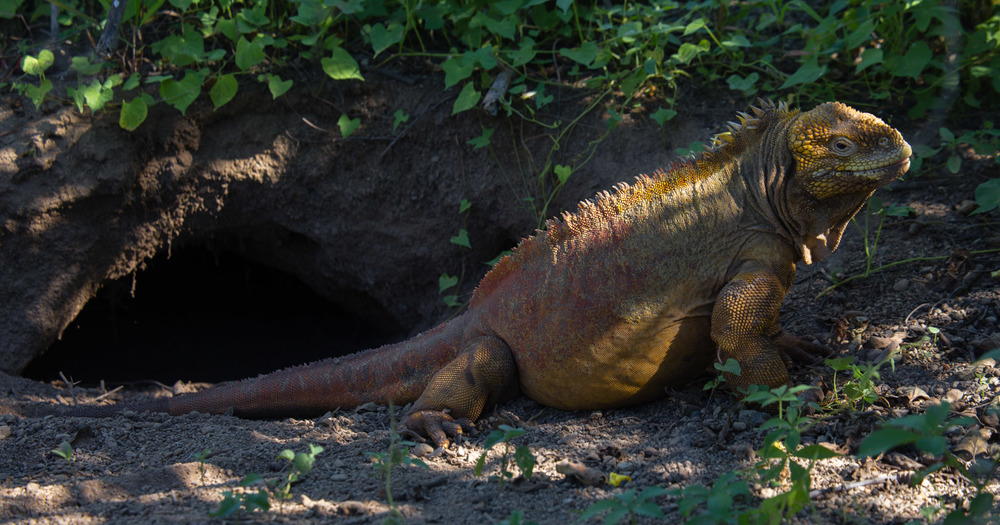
[[397, 372]]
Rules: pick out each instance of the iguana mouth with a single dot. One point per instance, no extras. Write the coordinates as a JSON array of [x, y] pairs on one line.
[[900, 167]]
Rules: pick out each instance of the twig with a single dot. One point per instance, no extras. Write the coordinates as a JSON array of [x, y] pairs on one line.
[[844, 487], [70, 384], [108, 393]]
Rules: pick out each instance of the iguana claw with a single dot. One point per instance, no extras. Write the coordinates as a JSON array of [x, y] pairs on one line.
[[798, 349], [435, 425]]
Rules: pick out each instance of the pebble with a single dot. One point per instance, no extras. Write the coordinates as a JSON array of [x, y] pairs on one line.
[[422, 450], [901, 285], [5, 431]]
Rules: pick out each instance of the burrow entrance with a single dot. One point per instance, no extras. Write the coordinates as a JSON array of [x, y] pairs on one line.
[[204, 314]]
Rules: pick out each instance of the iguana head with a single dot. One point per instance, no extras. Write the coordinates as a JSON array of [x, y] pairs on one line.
[[841, 157]]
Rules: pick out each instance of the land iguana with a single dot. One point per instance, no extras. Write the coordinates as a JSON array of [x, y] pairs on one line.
[[637, 290]]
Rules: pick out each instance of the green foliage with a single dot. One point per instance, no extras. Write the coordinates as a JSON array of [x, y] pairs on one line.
[[298, 464], [731, 366], [629, 504], [720, 501], [249, 501], [860, 388], [522, 456], [926, 432], [347, 125], [398, 453], [65, 451]]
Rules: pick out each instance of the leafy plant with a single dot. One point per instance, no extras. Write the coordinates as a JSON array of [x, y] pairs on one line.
[[397, 454], [719, 501], [629, 503], [65, 451], [298, 465], [731, 366], [926, 432], [860, 388], [250, 502], [782, 453], [521, 455]]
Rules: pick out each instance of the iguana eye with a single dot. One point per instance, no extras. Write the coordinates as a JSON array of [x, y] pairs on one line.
[[842, 146]]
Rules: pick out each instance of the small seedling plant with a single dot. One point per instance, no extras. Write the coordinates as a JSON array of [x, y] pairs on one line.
[[630, 503], [521, 456], [926, 432], [298, 465], [859, 391], [398, 453]]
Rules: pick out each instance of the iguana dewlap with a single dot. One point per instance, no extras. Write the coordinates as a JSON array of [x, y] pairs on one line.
[[637, 290]]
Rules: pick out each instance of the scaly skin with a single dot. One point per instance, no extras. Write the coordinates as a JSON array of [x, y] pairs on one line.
[[636, 291]]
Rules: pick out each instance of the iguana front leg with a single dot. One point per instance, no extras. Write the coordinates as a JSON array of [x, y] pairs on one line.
[[745, 326], [483, 374]]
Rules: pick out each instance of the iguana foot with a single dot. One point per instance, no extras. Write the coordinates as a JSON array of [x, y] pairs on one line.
[[435, 425], [797, 349]]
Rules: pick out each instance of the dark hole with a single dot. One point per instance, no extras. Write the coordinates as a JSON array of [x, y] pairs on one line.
[[203, 316]]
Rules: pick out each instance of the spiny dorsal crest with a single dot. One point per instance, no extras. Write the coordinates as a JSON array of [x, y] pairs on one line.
[[603, 213]]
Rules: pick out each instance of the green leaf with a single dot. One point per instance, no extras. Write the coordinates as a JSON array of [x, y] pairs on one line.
[[562, 173], [446, 281], [467, 99], [933, 445], [913, 63], [399, 117], [347, 125], [464, 206], [340, 65], [688, 51], [224, 90], [133, 113], [493, 438], [524, 460], [815, 452], [885, 439], [482, 140], [585, 54], [954, 163], [180, 94], [869, 57], [462, 239], [37, 93], [77, 96], [277, 86], [249, 54], [808, 73], [383, 38], [132, 82], [662, 115], [840, 364], [8, 8], [97, 95], [524, 54], [455, 71], [731, 366], [480, 463], [37, 65], [988, 196], [304, 462], [83, 66], [747, 85]]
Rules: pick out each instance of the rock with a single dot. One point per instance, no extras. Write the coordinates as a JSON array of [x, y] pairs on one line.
[[901, 285]]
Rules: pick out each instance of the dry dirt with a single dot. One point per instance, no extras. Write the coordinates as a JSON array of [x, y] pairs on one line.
[[143, 467]]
